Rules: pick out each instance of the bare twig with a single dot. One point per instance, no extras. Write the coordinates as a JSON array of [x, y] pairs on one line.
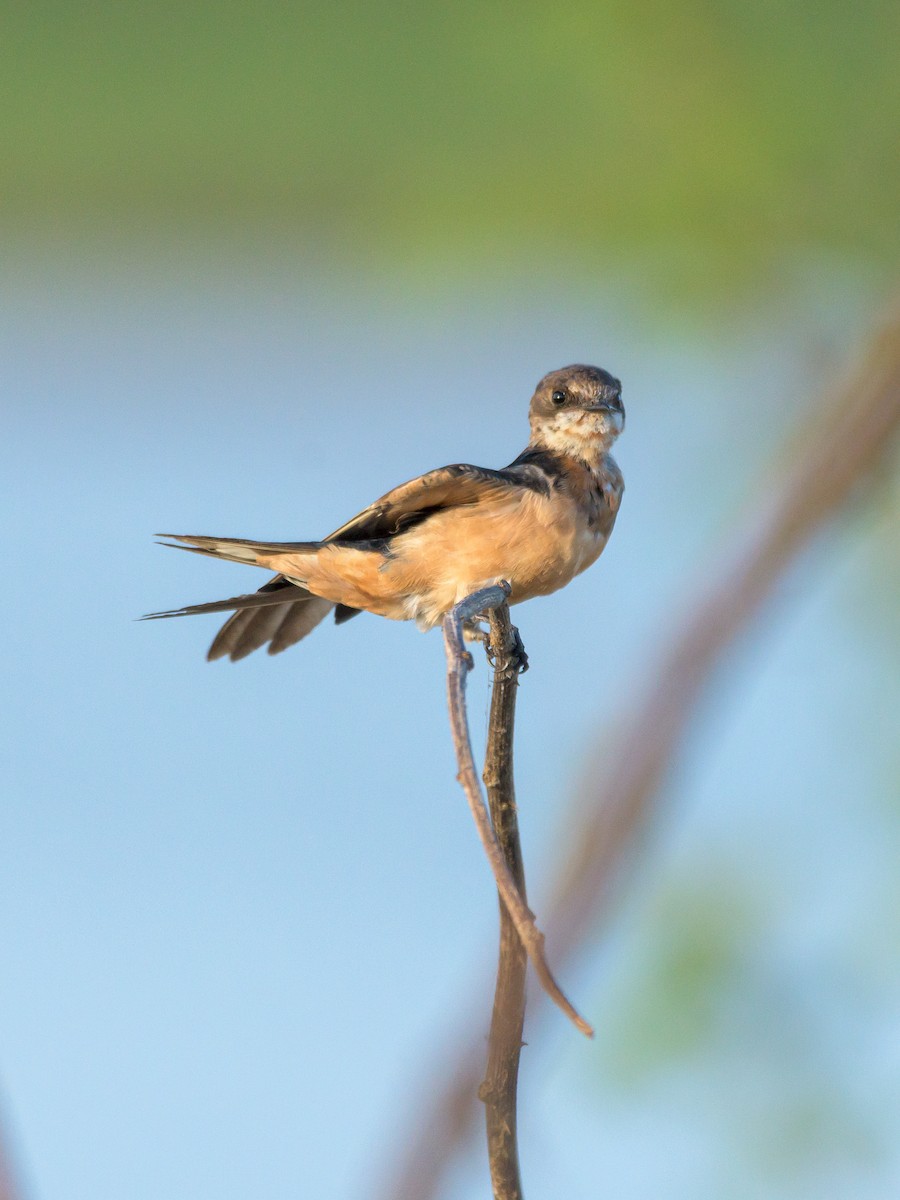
[[847, 436], [498, 1089], [459, 663]]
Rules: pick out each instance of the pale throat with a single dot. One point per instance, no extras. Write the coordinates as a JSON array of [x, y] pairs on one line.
[[582, 435]]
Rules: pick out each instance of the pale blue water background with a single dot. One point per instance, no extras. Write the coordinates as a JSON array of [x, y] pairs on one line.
[[239, 904]]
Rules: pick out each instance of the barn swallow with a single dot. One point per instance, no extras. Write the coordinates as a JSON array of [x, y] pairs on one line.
[[421, 548]]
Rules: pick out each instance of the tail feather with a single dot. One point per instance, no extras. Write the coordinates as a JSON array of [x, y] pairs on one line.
[[280, 613], [281, 625], [234, 549], [260, 599], [299, 620], [246, 631]]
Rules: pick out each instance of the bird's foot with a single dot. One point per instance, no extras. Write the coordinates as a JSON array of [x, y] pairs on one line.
[[510, 660], [517, 656]]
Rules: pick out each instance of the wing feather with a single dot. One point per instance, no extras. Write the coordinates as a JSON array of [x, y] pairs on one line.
[[412, 502]]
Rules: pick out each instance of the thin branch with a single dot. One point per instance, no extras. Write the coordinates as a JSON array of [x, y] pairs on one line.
[[848, 435], [459, 663], [498, 1089]]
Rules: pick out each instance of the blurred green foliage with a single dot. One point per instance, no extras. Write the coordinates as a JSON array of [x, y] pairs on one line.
[[713, 1018], [674, 999], [712, 133]]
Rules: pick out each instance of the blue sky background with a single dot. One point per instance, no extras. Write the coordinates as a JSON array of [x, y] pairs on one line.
[[242, 905]]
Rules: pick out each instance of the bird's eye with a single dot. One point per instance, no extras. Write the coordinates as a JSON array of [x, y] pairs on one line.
[[558, 397]]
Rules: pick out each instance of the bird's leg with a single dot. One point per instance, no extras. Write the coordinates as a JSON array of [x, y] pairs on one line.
[[462, 622]]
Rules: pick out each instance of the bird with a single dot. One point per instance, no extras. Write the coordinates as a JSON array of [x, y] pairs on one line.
[[427, 544]]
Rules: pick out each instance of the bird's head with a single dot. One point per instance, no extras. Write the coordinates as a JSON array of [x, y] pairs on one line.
[[577, 410]]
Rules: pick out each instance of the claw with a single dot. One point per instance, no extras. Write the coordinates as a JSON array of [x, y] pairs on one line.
[[518, 657], [513, 660]]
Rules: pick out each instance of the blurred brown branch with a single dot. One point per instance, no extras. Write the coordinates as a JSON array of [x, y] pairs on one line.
[[847, 435], [9, 1184]]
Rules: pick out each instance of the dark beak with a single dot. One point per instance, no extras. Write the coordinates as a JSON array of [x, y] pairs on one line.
[[610, 399], [608, 403]]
